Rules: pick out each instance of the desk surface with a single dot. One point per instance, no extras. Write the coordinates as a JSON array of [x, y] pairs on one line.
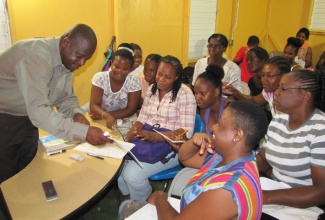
[[77, 183]]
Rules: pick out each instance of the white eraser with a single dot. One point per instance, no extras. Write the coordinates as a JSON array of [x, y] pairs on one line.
[[76, 157]]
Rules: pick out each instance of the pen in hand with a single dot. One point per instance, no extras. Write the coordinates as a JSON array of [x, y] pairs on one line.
[[180, 135], [231, 82]]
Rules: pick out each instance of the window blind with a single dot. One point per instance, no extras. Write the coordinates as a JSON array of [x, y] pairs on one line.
[[202, 26], [318, 15], [5, 38]]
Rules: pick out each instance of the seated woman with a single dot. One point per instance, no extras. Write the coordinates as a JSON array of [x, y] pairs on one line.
[[227, 185], [187, 76], [170, 104], [136, 67], [294, 144], [208, 96], [256, 58], [304, 56], [291, 51], [217, 45], [115, 94], [240, 58], [272, 72], [148, 75]]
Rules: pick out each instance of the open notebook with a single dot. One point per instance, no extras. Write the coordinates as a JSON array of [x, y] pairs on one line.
[[167, 138]]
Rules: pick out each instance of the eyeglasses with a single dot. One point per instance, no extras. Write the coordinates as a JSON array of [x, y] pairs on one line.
[[270, 76], [214, 46], [285, 89]]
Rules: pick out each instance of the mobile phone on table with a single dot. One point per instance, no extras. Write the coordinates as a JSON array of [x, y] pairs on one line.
[[49, 190]]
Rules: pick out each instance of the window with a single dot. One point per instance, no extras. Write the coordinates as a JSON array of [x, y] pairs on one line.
[[5, 38], [318, 16], [202, 26]]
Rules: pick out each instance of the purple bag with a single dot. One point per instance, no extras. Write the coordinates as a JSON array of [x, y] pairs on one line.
[[151, 152]]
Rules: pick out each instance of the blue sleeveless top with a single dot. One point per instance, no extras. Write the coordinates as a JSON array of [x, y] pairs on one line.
[[207, 115]]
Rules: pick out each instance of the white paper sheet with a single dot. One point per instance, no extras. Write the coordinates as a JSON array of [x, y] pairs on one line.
[[148, 212], [286, 212], [109, 150]]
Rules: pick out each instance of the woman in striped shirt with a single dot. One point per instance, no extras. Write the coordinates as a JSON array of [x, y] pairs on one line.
[[294, 147]]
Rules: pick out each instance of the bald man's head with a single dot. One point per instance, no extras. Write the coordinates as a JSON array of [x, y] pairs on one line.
[[77, 45]]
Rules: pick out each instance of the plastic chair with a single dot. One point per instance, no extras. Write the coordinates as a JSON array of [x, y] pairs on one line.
[[171, 173], [275, 53], [179, 182]]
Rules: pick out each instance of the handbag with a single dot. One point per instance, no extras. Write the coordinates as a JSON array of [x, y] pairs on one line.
[[151, 152]]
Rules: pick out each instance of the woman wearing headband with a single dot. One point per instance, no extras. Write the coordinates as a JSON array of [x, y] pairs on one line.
[[115, 94]]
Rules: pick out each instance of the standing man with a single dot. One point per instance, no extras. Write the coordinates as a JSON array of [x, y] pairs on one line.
[[35, 76]]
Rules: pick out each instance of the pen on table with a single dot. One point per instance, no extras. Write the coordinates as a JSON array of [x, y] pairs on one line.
[[93, 155], [231, 82], [56, 152]]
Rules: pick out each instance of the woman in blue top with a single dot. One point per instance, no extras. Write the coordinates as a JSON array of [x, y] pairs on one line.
[[207, 89]]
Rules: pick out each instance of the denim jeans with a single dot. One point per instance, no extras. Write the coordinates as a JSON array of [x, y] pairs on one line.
[[134, 180]]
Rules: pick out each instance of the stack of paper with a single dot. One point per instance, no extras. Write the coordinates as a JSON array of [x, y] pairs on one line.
[[51, 143]]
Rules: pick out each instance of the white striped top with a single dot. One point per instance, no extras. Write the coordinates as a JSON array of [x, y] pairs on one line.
[[292, 152]]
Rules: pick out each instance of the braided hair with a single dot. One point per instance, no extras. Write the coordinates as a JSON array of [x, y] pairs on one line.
[[313, 83], [154, 57], [177, 67], [281, 63]]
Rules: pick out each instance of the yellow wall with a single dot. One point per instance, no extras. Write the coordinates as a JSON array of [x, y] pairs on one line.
[[159, 26], [273, 21], [250, 22], [46, 18]]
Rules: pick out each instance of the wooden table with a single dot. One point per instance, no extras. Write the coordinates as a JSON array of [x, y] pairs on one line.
[[80, 185]]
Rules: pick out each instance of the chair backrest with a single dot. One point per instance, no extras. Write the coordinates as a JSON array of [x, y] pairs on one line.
[[199, 124], [180, 181], [275, 53], [245, 88]]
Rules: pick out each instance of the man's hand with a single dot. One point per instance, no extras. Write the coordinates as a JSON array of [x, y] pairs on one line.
[[95, 136], [78, 117]]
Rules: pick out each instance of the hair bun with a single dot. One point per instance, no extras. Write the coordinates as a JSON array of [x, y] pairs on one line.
[[216, 70], [294, 42]]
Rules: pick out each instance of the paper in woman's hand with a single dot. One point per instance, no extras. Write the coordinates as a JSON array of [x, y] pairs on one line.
[[170, 140]]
